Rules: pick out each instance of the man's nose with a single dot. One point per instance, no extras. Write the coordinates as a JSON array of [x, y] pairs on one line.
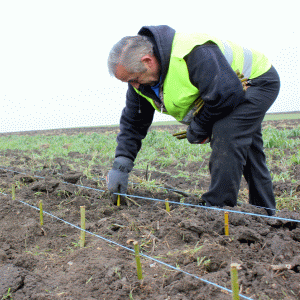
[[135, 85]]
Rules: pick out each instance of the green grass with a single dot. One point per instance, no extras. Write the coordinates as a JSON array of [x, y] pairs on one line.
[[160, 150], [56, 144], [280, 116], [282, 139], [100, 147]]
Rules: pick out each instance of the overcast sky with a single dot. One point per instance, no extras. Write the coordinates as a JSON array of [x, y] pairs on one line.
[[53, 54]]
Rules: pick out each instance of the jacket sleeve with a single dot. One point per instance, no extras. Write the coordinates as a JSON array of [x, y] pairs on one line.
[[135, 121], [219, 86]]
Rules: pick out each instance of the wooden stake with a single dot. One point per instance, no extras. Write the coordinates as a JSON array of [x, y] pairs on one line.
[[226, 223], [234, 281], [82, 232], [41, 212], [13, 191], [138, 261], [118, 198], [167, 205], [146, 174]]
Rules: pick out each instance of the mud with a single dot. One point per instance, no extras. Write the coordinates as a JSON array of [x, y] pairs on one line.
[[46, 262]]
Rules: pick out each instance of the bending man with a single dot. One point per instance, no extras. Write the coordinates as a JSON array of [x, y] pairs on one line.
[[169, 72]]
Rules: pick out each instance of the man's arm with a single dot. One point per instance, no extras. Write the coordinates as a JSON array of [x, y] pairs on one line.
[[217, 82], [135, 121]]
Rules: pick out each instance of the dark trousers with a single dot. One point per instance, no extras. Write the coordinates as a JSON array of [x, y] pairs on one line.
[[237, 149]]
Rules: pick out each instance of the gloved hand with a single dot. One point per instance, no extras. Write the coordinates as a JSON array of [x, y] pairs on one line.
[[196, 135], [117, 178]]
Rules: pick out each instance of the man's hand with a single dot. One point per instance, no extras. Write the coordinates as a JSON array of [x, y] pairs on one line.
[[117, 178], [196, 135]]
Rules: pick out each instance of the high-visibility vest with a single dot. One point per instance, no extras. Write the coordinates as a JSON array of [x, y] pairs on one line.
[[179, 94]]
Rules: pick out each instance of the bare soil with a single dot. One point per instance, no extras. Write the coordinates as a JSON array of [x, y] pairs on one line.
[[46, 262]]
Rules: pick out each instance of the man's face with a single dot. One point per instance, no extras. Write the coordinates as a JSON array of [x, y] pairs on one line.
[[150, 77]]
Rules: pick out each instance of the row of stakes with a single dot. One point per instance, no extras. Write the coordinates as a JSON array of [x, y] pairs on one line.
[[234, 266]]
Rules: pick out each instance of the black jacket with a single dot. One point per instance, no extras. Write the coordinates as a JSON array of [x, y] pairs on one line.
[[209, 71]]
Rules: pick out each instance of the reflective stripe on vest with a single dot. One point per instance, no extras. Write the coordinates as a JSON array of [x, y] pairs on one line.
[[228, 53]]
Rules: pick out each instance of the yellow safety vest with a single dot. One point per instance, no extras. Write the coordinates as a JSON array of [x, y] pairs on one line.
[[179, 94]]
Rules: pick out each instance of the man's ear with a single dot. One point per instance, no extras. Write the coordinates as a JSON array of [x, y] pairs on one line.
[[148, 60]]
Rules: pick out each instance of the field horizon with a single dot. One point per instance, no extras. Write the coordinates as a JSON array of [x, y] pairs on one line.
[[269, 117]]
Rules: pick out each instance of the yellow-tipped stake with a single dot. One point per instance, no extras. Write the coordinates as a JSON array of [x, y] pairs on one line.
[[167, 205], [234, 281], [41, 212], [13, 191], [226, 223], [82, 232], [119, 200]]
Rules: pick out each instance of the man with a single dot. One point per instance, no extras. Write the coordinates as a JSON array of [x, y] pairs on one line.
[[169, 72]]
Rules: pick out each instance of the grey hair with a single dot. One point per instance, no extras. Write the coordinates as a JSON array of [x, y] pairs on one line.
[[128, 53]]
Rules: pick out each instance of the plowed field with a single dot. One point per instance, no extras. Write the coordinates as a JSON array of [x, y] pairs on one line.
[[188, 253]]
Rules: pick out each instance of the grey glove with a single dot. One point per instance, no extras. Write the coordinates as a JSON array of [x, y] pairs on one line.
[[117, 178], [196, 135]]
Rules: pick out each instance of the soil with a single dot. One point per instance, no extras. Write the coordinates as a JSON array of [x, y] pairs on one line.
[[191, 255]]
